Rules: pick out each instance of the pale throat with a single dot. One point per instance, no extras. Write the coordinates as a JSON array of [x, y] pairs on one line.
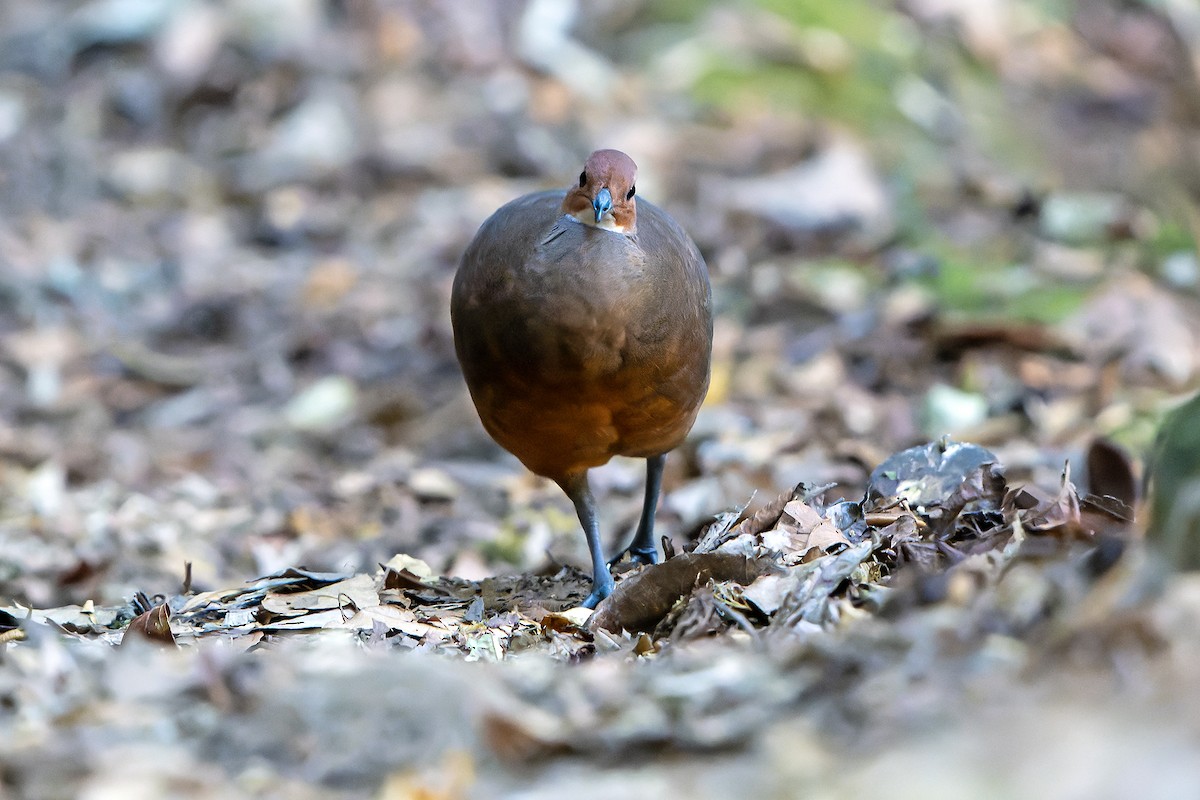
[[588, 217]]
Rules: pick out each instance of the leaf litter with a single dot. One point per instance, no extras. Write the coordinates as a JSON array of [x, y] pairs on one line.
[[223, 342], [795, 556], [801, 606]]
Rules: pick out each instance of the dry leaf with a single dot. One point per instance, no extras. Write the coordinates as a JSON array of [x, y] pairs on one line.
[[151, 626]]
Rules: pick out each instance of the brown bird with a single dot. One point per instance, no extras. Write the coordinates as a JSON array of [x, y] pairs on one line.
[[583, 324]]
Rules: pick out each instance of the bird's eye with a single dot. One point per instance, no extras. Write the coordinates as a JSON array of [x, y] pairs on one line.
[[582, 178], [632, 192]]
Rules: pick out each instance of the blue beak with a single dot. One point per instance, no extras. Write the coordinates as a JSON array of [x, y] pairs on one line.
[[602, 204]]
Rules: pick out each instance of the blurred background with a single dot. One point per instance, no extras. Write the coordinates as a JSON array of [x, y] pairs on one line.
[[228, 230]]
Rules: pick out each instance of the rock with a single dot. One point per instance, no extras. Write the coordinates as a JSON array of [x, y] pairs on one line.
[[185, 48], [120, 21], [1082, 217], [276, 25], [146, 172], [316, 139], [949, 410], [324, 406], [835, 192], [544, 41], [1180, 269], [13, 111]]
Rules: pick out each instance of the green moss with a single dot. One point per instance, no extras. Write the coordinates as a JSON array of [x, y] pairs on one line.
[[973, 285], [508, 546], [674, 11], [1171, 237], [866, 104], [1048, 303], [860, 95], [858, 21]]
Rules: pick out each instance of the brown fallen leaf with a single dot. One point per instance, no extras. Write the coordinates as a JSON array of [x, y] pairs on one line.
[[1110, 472], [1044, 513], [522, 734], [642, 600], [570, 621], [403, 579], [767, 517], [952, 339], [793, 528], [151, 626], [825, 535]]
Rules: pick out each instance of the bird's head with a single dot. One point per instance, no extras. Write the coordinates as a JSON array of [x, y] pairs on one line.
[[604, 196]]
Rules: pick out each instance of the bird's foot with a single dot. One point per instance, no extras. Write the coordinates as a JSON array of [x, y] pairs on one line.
[[638, 555], [600, 590]]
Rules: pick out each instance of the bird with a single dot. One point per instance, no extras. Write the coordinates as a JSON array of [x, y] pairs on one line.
[[583, 324]]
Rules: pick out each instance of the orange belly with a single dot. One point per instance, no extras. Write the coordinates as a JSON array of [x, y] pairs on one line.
[[562, 431]]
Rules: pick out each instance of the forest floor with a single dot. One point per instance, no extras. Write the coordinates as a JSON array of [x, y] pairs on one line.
[[228, 389]]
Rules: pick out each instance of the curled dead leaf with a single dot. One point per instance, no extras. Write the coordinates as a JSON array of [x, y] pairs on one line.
[[151, 626], [642, 600], [571, 621], [10, 628]]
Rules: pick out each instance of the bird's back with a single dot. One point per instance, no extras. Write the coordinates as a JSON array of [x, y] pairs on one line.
[[580, 343]]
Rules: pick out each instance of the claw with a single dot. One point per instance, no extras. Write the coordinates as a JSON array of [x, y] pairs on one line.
[[600, 590], [638, 555]]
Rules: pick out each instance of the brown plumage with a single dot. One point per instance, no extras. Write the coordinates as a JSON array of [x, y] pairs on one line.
[[583, 324]]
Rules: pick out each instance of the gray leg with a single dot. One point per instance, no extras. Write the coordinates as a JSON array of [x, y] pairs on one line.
[[576, 487], [643, 549]]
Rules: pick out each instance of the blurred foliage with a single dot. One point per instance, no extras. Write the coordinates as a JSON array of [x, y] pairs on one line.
[[925, 102], [1175, 504], [835, 63], [969, 284], [1170, 237]]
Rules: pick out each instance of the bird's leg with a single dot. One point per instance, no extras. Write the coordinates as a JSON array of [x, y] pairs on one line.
[[576, 487], [643, 549]]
